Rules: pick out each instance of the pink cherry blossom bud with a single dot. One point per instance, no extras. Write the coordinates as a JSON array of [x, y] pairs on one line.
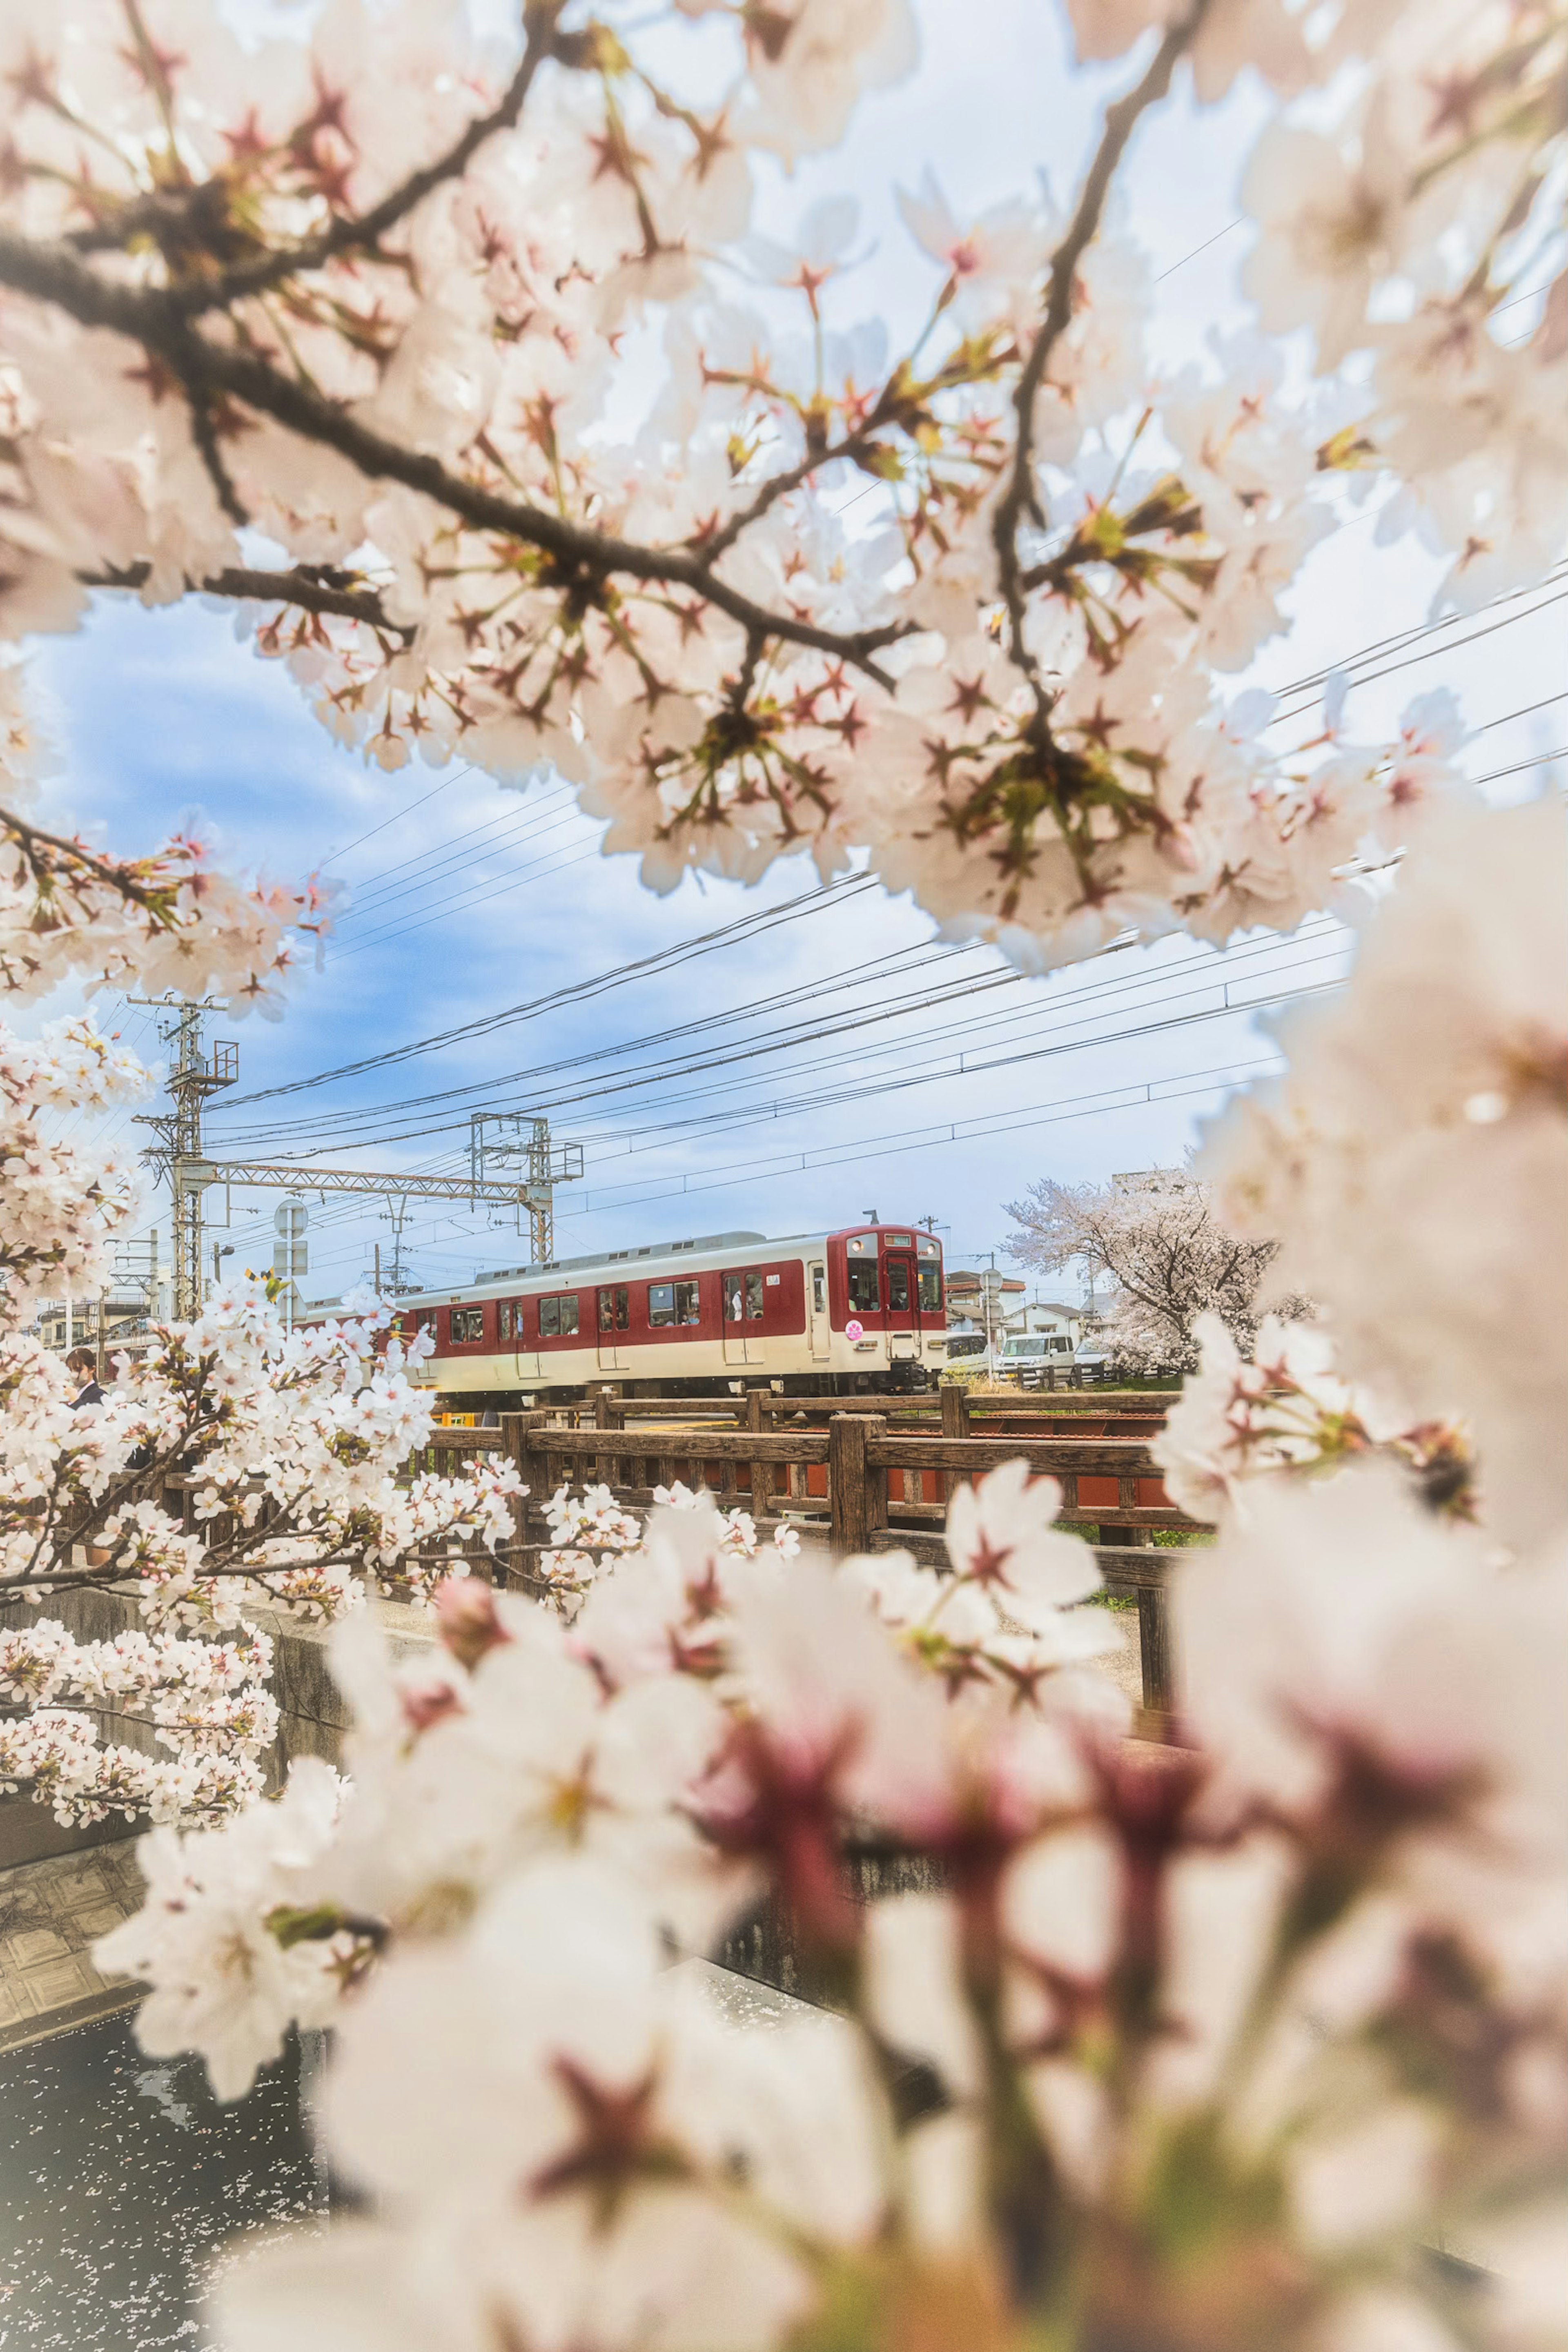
[[430, 1703], [466, 1615]]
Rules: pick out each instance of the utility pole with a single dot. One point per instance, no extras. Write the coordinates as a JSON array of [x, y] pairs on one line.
[[190, 1081], [179, 1153], [396, 1279], [518, 1136]]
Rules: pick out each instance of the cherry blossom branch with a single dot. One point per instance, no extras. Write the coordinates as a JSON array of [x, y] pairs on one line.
[[364, 231], [315, 588], [32, 840], [51, 272], [1019, 498]]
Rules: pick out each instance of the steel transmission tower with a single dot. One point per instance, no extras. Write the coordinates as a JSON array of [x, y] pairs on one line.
[[179, 1153], [190, 1081], [518, 1136]]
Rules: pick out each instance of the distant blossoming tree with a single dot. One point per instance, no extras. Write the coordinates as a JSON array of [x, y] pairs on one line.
[[1166, 1255], [455, 366]]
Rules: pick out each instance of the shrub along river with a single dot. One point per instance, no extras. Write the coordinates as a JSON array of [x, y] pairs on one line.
[[123, 2181]]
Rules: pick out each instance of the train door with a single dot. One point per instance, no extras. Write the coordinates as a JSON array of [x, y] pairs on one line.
[[816, 1311], [613, 1317], [901, 1307], [742, 1295], [512, 1333]]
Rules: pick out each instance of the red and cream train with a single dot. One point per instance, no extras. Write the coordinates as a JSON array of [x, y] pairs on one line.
[[817, 1313]]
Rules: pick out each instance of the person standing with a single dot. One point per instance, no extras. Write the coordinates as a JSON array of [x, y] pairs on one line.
[[83, 1361]]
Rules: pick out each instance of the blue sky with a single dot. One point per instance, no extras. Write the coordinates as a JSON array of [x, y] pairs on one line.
[[480, 899]]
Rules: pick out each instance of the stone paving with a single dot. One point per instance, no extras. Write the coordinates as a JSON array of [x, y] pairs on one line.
[[51, 1913]]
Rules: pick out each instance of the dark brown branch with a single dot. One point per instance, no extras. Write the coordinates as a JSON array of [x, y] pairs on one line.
[[203, 433], [362, 231], [316, 588], [75, 854], [51, 272], [1018, 498]]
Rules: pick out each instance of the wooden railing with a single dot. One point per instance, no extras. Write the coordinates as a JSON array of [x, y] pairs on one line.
[[863, 1481]]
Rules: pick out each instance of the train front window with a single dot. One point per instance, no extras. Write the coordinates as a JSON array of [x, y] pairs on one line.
[[930, 1290], [467, 1325], [755, 1297], [864, 1298], [660, 1304], [898, 1286]]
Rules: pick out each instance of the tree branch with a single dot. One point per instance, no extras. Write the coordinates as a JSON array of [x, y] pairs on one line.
[[316, 588], [30, 837], [364, 231], [51, 272], [1121, 120]]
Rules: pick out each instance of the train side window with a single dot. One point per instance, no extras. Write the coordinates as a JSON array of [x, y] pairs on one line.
[[686, 1307], [899, 1285], [613, 1314], [863, 1295], [735, 1297], [660, 1305], [510, 1314], [755, 1296], [819, 1289], [468, 1323], [558, 1317], [930, 1290]]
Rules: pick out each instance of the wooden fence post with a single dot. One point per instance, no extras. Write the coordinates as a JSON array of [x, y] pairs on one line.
[[954, 1423], [1154, 1648], [761, 1484], [846, 1483], [533, 1466], [857, 1493]]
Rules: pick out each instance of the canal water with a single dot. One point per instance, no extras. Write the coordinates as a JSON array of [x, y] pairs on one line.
[[122, 2182]]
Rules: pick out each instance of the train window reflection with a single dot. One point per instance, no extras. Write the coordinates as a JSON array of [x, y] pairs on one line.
[[558, 1317], [660, 1304], [863, 1293]]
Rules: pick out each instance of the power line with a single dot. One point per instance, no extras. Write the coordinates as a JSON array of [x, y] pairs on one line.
[[462, 906], [750, 925], [447, 853], [406, 811], [897, 964], [1408, 659], [1134, 1096], [1074, 1008]]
